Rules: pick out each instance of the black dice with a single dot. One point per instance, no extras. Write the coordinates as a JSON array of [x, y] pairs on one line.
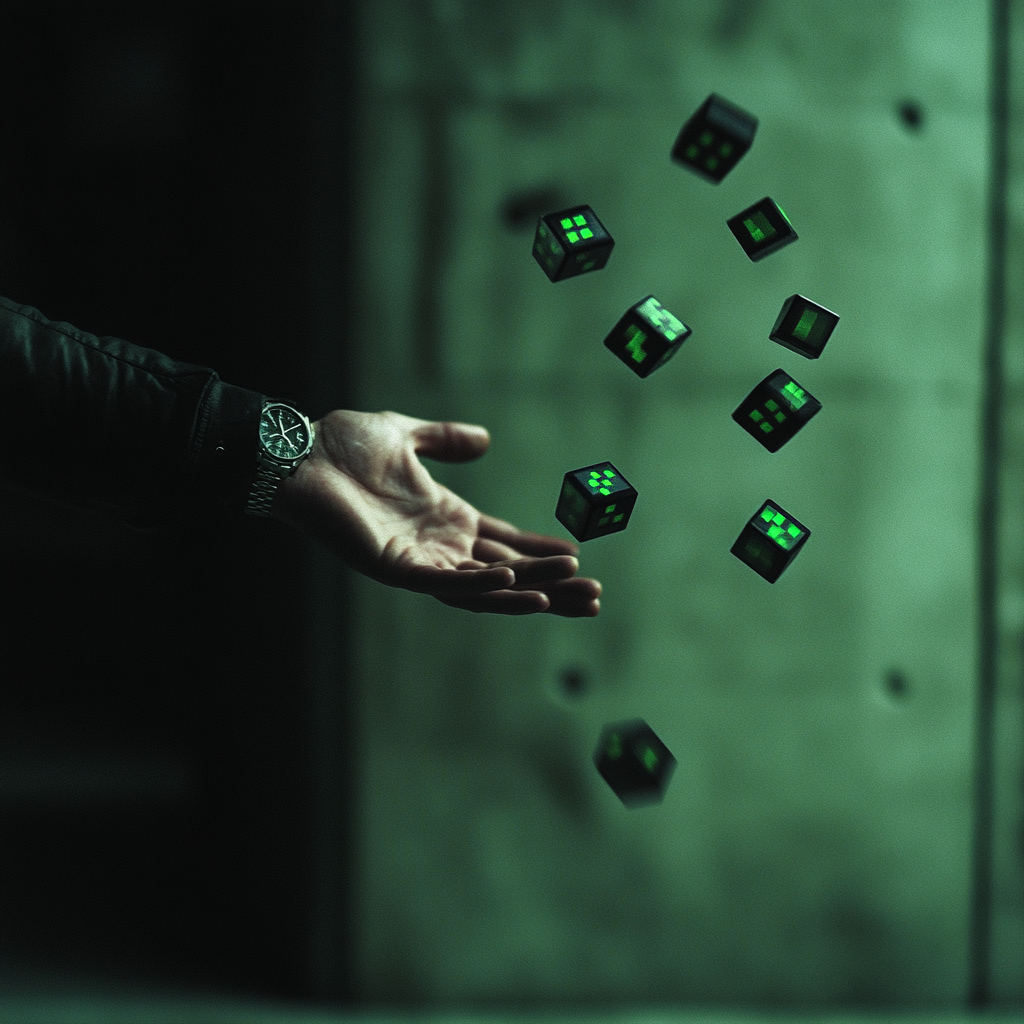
[[762, 228], [713, 140], [594, 501], [770, 541], [634, 762], [804, 326], [571, 243], [776, 409], [647, 336]]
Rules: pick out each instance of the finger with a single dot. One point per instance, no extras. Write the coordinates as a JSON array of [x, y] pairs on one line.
[[501, 602], [487, 552], [576, 588], [575, 598], [431, 579], [569, 595], [450, 441], [529, 602], [531, 571], [524, 541]]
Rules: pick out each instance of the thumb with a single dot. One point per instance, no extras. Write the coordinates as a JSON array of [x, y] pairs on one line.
[[447, 441]]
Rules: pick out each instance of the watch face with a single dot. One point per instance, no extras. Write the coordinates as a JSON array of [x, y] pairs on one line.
[[283, 432]]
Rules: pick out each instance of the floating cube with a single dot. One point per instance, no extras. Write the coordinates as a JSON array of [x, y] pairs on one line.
[[770, 541], [594, 501], [634, 762], [776, 409], [713, 140], [762, 228], [571, 243], [804, 326], [647, 336]]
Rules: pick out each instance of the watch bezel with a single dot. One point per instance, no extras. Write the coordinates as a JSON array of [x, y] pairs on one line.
[[309, 431]]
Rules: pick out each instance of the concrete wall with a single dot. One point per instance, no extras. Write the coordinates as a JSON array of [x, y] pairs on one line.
[[815, 844]]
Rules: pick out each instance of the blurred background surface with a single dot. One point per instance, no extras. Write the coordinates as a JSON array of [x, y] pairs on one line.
[[385, 805]]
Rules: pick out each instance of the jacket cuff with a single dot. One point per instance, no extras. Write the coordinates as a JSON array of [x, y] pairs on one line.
[[224, 450]]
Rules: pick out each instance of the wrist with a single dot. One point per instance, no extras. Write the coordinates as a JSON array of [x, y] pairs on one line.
[[292, 488]]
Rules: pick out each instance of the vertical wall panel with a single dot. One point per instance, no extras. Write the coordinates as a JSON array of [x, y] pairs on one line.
[[1006, 921]]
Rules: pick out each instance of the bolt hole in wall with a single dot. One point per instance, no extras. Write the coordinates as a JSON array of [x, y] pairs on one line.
[[896, 684], [574, 682], [911, 115], [520, 210]]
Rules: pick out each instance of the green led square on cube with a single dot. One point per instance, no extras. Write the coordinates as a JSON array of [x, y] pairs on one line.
[[595, 501], [647, 336], [571, 242], [770, 541], [714, 138], [804, 326], [762, 229], [776, 409]]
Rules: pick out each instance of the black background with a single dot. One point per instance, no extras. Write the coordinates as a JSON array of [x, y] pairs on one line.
[[155, 167]]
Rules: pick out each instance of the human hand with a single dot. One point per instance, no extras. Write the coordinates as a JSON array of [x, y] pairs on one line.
[[364, 494]]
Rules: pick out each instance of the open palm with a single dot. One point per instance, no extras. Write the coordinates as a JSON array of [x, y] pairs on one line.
[[365, 495]]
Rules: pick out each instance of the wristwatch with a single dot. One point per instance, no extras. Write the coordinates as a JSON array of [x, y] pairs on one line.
[[286, 439]]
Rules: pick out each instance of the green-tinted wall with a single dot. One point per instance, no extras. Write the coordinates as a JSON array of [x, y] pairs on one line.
[[815, 843]]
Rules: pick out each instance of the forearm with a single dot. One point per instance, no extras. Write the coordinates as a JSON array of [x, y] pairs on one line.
[[119, 429]]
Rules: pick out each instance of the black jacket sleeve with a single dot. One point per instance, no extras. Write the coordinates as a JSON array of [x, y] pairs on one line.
[[102, 425]]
